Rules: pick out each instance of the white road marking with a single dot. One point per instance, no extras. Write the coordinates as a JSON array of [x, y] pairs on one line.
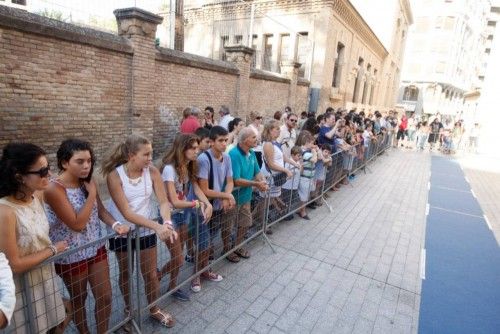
[[488, 223], [422, 263]]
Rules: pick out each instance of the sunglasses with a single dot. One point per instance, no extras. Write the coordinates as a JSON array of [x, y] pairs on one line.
[[42, 172], [258, 117], [293, 120]]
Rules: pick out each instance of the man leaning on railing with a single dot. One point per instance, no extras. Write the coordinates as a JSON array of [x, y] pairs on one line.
[[246, 174]]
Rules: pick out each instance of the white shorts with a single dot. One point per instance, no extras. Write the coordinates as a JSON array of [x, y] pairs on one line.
[[306, 185]]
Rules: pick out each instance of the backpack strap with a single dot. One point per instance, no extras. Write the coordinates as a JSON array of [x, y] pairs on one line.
[[210, 174]]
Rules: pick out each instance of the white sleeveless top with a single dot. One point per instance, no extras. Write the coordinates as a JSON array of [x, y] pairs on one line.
[[274, 191], [138, 197]]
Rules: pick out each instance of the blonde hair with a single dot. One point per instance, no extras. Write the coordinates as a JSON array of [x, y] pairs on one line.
[[268, 127], [120, 153]]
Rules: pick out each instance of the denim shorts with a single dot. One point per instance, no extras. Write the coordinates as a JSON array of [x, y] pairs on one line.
[[202, 238], [179, 219]]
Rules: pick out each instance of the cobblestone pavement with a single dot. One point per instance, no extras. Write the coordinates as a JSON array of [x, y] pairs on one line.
[[356, 270]]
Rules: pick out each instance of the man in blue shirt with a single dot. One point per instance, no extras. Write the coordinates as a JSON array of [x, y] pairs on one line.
[[328, 131], [246, 174]]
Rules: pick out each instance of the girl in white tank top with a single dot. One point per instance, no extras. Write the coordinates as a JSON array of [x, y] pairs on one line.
[[131, 179]]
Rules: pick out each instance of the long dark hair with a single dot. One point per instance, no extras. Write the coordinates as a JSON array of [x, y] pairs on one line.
[[69, 147], [175, 157], [17, 158]]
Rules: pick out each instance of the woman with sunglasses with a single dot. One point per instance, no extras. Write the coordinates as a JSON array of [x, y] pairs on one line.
[[209, 121], [74, 211], [24, 174]]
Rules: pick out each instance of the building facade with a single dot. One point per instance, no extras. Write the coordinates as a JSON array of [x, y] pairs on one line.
[[330, 43], [445, 62]]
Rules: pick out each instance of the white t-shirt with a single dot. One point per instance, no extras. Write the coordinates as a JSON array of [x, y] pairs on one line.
[[292, 183], [224, 121]]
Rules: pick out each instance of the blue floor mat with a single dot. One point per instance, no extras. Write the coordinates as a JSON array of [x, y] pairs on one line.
[[461, 292], [454, 200], [457, 182]]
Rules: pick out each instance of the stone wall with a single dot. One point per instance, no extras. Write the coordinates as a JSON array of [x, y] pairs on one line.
[[58, 80]]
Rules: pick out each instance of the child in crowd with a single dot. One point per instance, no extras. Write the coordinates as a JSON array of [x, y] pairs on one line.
[[203, 135], [132, 180], [324, 161], [291, 186], [309, 157], [180, 177], [75, 211]]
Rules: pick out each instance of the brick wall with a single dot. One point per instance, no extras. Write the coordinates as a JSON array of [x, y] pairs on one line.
[[58, 80], [267, 96], [180, 84], [51, 89]]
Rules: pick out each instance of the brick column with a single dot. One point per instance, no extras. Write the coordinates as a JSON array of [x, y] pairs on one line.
[[290, 69], [241, 56], [139, 26]]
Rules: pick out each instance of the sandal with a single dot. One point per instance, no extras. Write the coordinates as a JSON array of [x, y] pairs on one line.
[[211, 276], [159, 274], [164, 318], [242, 253], [127, 327], [233, 258]]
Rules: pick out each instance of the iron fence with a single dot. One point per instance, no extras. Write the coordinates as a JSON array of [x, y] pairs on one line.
[[188, 263]]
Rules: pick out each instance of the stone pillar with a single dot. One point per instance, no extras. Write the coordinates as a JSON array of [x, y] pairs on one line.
[[139, 26], [290, 69], [241, 56]]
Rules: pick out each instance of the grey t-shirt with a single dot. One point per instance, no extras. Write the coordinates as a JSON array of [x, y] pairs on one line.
[[221, 170]]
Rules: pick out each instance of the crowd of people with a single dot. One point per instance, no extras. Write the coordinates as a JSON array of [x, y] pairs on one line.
[[436, 133], [207, 189]]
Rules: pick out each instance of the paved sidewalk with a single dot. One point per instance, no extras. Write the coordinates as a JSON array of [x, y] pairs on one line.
[[355, 270]]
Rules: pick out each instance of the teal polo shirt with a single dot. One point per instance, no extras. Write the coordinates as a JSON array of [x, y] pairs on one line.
[[244, 166]]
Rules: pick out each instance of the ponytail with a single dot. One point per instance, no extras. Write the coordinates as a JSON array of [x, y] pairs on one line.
[[120, 153]]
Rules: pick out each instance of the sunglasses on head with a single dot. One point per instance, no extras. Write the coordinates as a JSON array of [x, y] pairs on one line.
[[42, 172]]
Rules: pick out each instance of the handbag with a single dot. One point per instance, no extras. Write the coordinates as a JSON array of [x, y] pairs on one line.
[[279, 179]]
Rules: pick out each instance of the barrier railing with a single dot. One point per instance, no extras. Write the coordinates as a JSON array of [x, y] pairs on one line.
[[167, 269]]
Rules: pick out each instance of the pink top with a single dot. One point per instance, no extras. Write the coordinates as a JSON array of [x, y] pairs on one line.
[[190, 124]]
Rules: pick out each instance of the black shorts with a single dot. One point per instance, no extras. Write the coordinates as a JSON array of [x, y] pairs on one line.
[[401, 134], [120, 244], [433, 138]]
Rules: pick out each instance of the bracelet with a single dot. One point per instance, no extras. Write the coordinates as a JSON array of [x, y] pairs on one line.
[[53, 249], [167, 222], [196, 204], [115, 223]]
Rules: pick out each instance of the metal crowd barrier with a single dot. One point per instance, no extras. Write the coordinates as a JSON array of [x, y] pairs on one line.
[[214, 239]]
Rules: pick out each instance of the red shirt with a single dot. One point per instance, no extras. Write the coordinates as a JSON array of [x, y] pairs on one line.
[[404, 124], [190, 124]]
